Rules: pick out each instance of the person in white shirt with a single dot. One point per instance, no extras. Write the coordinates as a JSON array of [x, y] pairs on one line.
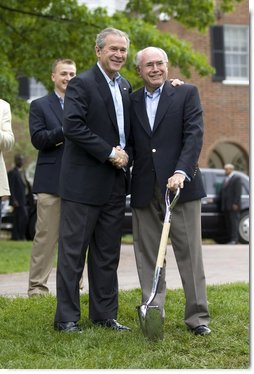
[[6, 143]]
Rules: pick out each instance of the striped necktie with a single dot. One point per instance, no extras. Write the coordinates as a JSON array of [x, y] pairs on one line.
[[61, 102]]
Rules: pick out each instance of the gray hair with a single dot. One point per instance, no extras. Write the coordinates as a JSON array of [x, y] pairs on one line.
[[137, 58], [100, 39]]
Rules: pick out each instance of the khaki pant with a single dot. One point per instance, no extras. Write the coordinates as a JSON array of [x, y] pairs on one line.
[[44, 243], [185, 234]]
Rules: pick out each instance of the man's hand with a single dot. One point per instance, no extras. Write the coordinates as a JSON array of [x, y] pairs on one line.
[[177, 180], [121, 158], [176, 82]]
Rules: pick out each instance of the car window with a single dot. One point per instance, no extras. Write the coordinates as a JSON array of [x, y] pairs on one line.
[[219, 179], [213, 182], [245, 190]]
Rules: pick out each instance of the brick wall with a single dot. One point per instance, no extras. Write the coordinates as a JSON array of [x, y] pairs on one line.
[[226, 107]]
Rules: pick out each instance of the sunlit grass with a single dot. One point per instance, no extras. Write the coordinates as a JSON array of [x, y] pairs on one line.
[[28, 340]]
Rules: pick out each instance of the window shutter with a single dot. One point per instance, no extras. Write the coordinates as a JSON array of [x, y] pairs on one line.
[[217, 52], [24, 88]]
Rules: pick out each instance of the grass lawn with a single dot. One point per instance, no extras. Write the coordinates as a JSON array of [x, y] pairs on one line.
[[15, 255], [28, 341]]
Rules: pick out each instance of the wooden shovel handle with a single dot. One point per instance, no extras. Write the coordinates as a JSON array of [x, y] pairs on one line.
[[163, 244]]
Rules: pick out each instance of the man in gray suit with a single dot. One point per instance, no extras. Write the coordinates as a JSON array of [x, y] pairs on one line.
[[46, 130], [166, 136]]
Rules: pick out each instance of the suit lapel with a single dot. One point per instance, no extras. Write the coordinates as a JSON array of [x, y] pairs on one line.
[[164, 103], [140, 110], [56, 107], [125, 92], [105, 94]]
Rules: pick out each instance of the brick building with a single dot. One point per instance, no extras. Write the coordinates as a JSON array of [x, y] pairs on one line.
[[225, 96]]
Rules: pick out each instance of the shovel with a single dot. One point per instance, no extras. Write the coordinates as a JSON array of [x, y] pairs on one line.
[[151, 320]]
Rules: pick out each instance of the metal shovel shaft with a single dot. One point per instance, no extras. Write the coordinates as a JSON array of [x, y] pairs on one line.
[[150, 317], [163, 243]]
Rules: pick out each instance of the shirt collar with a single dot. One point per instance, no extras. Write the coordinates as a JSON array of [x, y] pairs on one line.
[[59, 97], [156, 92], [117, 75]]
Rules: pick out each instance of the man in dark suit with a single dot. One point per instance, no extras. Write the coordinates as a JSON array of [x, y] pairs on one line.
[[46, 130], [21, 198], [231, 202], [93, 186], [166, 135]]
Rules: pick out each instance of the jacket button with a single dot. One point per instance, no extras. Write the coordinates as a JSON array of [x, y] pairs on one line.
[[153, 150]]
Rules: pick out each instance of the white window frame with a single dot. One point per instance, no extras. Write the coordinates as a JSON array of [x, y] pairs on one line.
[[36, 89], [236, 53]]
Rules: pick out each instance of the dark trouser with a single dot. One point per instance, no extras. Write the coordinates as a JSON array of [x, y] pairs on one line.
[[98, 229], [232, 220], [20, 222]]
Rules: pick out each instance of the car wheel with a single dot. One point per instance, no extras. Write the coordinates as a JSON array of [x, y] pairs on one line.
[[244, 228]]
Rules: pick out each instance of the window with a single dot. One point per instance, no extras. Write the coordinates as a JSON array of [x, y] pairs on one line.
[[236, 42], [36, 89], [30, 89], [230, 53]]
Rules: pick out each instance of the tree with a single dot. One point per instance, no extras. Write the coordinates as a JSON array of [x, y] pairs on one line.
[[33, 33], [198, 14]]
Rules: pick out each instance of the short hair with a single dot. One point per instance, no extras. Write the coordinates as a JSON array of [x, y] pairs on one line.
[[229, 166], [100, 39], [62, 61], [137, 58]]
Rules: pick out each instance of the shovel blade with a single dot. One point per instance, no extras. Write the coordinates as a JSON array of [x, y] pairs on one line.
[[151, 322]]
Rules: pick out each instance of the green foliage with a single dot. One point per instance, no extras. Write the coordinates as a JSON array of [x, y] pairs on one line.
[[28, 341], [198, 14], [34, 33]]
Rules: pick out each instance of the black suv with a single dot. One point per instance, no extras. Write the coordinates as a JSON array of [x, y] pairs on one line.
[[212, 220], [213, 226]]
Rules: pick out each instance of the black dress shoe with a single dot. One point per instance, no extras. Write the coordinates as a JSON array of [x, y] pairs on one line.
[[112, 324], [201, 330], [67, 326]]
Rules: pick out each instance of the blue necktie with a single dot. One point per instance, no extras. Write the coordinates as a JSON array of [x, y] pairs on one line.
[[61, 102]]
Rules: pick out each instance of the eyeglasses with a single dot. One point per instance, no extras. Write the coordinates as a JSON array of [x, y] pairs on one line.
[[157, 64]]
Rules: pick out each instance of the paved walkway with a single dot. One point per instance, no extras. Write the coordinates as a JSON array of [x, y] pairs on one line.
[[223, 264]]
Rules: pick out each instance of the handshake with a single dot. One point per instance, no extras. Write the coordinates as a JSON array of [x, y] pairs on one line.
[[121, 158]]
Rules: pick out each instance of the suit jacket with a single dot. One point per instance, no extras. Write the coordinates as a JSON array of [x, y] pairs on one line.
[[6, 143], [174, 144], [90, 129], [45, 123], [231, 193]]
